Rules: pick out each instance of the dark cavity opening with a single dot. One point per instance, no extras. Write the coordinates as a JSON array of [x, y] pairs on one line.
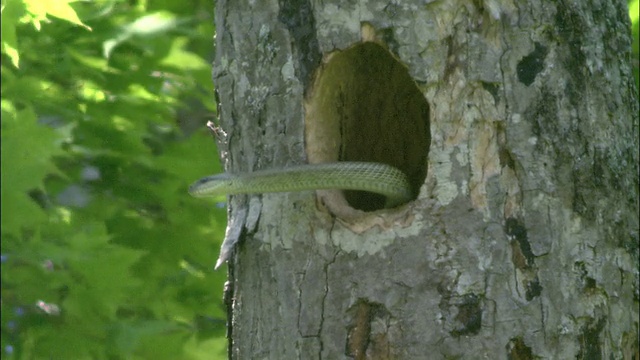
[[364, 106]]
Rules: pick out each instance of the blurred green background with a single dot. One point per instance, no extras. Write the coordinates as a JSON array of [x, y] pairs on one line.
[[104, 255]]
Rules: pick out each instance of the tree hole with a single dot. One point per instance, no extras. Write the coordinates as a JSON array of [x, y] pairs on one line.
[[364, 106]]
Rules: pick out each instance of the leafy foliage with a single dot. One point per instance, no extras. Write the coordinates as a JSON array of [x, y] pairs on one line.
[[104, 255], [634, 10]]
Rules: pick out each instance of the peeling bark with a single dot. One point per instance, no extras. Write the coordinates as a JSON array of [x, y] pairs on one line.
[[523, 240]]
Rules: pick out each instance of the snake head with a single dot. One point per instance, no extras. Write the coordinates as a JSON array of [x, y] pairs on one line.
[[211, 186]]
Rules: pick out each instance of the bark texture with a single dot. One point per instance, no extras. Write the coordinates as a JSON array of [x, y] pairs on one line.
[[522, 242]]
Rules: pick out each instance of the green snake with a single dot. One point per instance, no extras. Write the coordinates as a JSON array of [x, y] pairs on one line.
[[365, 176]]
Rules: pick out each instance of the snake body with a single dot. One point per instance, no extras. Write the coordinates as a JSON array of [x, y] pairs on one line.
[[365, 176]]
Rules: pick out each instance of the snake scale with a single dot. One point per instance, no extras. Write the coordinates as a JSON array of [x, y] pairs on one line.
[[365, 176]]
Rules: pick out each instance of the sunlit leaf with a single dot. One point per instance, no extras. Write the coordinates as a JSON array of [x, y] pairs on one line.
[[182, 59], [148, 25], [58, 8], [634, 8], [12, 10]]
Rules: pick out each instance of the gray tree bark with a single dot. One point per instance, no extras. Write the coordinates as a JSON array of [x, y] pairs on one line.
[[522, 241]]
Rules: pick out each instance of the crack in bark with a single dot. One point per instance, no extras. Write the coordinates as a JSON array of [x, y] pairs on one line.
[[324, 300], [304, 274]]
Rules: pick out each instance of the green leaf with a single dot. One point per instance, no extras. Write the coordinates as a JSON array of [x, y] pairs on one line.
[[634, 8], [182, 59], [58, 8], [27, 149], [12, 10], [148, 25]]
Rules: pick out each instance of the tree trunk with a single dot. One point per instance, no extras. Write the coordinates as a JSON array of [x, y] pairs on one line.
[[521, 145]]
